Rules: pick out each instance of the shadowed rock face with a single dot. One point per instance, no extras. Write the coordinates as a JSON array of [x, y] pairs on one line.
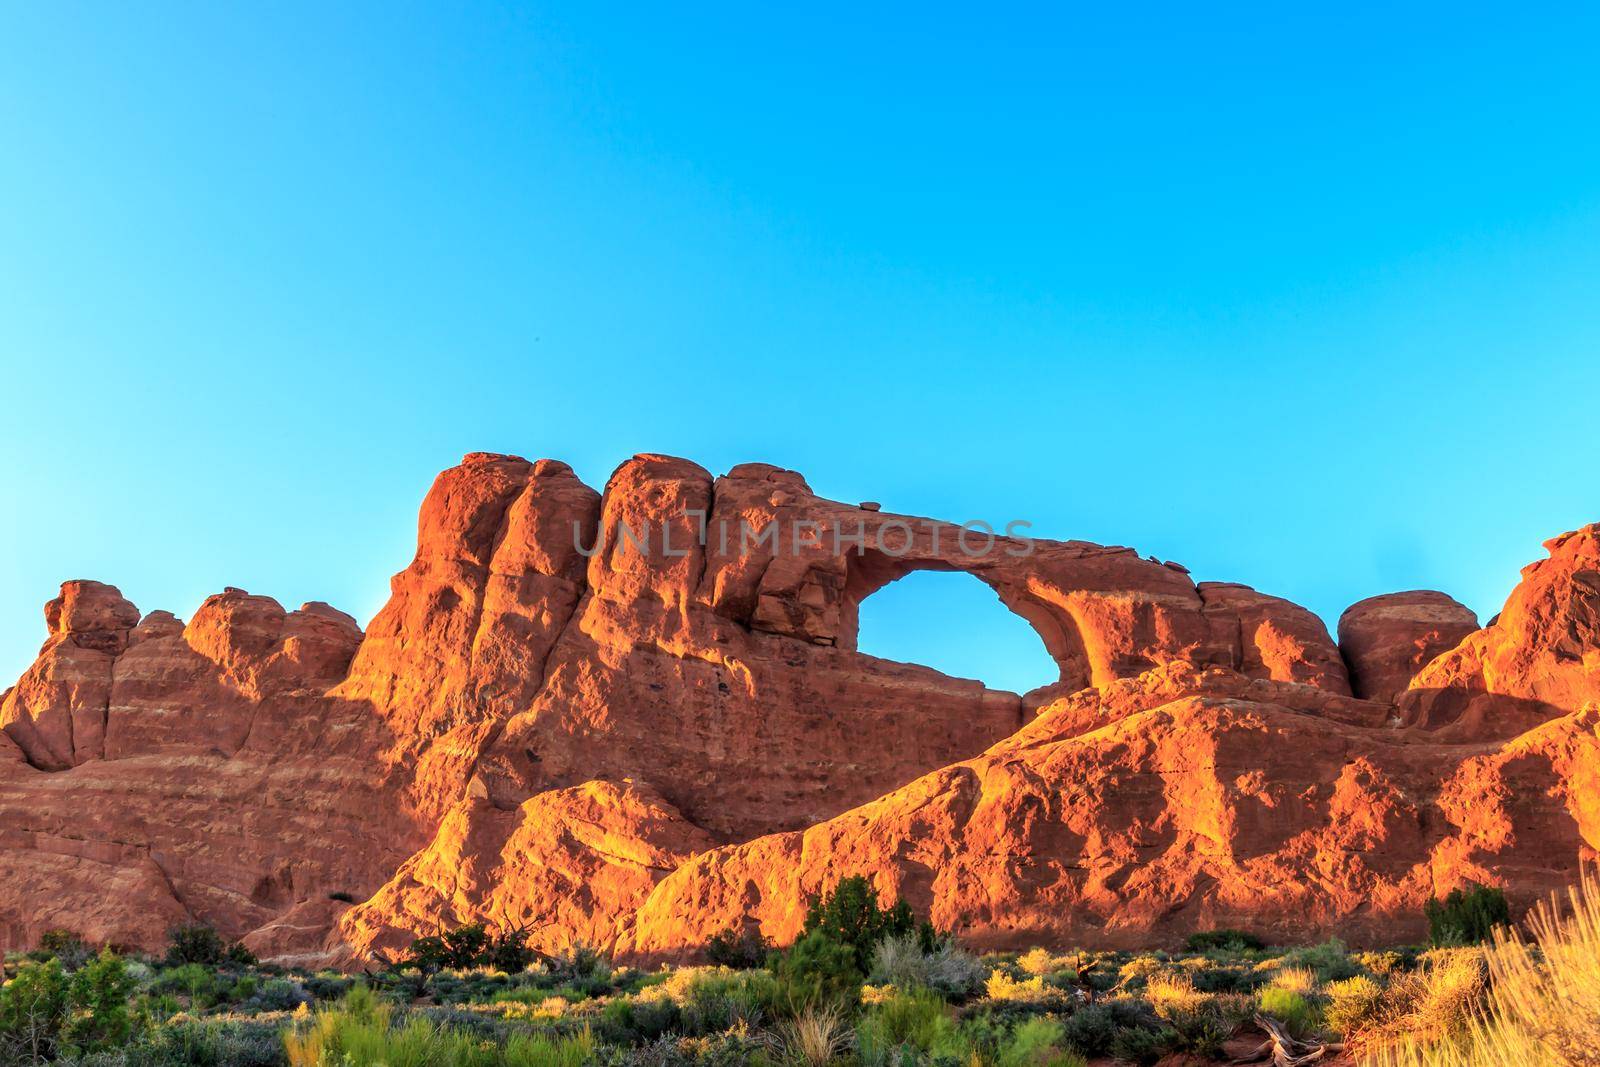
[[637, 717]]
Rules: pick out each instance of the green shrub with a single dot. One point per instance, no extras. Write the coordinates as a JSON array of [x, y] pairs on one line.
[[1223, 941], [740, 947], [99, 994], [199, 943], [1329, 961], [542, 1050], [818, 970], [1141, 1046], [197, 1044], [459, 949], [1467, 916], [917, 1021], [1291, 1008], [629, 1022], [1201, 1029], [584, 968], [328, 985], [1037, 1043], [1227, 980], [279, 994], [361, 1031], [65, 945], [716, 1001], [850, 914], [1092, 1030], [34, 1007], [195, 981]]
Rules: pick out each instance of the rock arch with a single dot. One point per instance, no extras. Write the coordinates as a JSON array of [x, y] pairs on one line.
[[955, 623]]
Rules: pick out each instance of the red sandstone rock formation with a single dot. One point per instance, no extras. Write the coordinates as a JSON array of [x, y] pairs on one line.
[[635, 718], [1387, 639]]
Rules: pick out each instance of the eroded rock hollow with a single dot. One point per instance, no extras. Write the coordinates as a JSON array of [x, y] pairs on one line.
[[614, 718]]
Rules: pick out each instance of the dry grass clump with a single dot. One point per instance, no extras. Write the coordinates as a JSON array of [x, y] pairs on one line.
[[814, 1038], [1169, 994], [1541, 1007], [1352, 1004], [1301, 980]]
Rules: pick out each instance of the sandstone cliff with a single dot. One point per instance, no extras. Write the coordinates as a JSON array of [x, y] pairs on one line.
[[612, 717]]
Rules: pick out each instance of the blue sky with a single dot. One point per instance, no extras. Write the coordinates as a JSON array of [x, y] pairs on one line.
[[1302, 298]]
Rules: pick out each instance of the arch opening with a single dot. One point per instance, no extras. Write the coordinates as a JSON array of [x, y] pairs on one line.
[[956, 624]]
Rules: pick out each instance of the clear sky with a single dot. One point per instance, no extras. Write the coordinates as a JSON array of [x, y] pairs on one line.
[[1308, 299]]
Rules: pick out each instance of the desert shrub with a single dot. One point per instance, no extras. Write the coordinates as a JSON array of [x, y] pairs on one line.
[[509, 951], [905, 962], [362, 1030], [1352, 1003], [630, 1022], [1137, 971], [542, 1050], [279, 994], [1329, 961], [199, 943], [1291, 1007], [1141, 1046], [712, 1000], [328, 985], [818, 970], [459, 949], [917, 1021], [1198, 1020], [1001, 986], [1223, 941], [814, 1037], [467, 947], [1226, 979], [1037, 1042], [197, 982], [1549, 995], [1093, 1028], [1467, 916], [196, 1044], [1201, 1030], [1381, 963], [34, 1007], [1090, 1030], [480, 1026], [740, 947], [1040, 961], [1167, 993], [1435, 1003], [582, 967], [98, 994], [748, 997], [736, 1048], [65, 945], [851, 914], [1543, 1005]]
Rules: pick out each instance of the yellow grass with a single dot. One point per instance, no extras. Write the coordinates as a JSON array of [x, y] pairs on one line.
[[1542, 1008]]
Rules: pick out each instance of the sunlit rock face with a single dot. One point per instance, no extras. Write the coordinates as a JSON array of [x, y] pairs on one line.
[[637, 716]]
